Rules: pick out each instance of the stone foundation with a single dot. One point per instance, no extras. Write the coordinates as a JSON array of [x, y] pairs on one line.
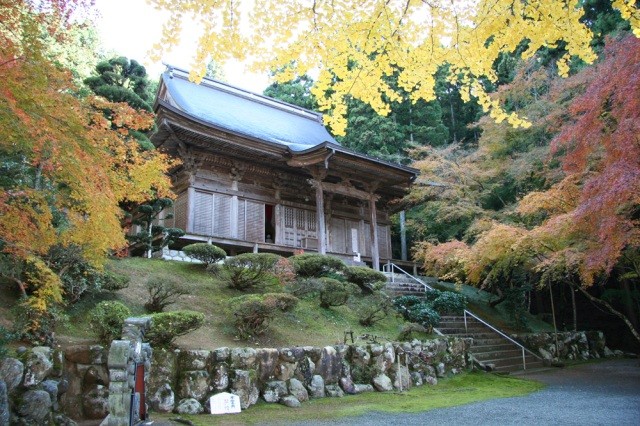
[[572, 345], [183, 381]]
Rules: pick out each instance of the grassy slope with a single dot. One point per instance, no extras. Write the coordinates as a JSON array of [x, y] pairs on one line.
[[307, 325]]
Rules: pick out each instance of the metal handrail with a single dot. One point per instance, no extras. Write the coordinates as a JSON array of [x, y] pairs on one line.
[[524, 364], [392, 266]]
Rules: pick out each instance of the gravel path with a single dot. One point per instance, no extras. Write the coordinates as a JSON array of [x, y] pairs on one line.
[[606, 393]]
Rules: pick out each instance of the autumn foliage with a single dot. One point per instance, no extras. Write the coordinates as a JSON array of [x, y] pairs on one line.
[[67, 167]]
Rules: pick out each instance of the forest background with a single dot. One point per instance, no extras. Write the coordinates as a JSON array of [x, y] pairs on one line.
[[529, 164]]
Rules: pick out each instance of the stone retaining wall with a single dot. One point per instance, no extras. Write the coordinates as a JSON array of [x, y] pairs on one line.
[[45, 386], [572, 345], [183, 381]]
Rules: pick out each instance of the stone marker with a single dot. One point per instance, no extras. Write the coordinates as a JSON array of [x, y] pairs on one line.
[[224, 403]]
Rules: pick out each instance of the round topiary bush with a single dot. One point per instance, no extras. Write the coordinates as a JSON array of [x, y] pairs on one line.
[[281, 301], [250, 270], [449, 302], [333, 293], [316, 265], [367, 279], [251, 315], [424, 315], [106, 320], [205, 253], [167, 326]]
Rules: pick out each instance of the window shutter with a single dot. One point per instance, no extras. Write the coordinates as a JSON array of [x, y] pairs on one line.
[[254, 222], [180, 211], [383, 242], [203, 213], [338, 243], [222, 216]]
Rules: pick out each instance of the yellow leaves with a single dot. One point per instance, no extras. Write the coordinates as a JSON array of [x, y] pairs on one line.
[[360, 42]]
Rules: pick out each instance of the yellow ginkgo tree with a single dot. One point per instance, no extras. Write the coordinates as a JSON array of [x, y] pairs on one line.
[[353, 45]]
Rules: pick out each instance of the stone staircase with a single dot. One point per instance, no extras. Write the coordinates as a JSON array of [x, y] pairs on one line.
[[399, 284], [489, 347]]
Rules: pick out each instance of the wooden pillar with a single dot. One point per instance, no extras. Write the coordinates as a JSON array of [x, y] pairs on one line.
[[191, 199], [322, 236], [375, 252], [233, 211], [403, 237]]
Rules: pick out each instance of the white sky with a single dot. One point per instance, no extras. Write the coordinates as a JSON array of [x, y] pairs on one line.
[[130, 27]]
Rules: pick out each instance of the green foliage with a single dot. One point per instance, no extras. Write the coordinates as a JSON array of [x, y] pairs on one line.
[[163, 293], [251, 315], [449, 303], [316, 265], [249, 271], [363, 373], [107, 318], [296, 92], [205, 253], [372, 308], [114, 282], [5, 337], [334, 293], [306, 287], [424, 315], [121, 80], [78, 276], [167, 326], [153, 237], [366, 278], [281, 301]]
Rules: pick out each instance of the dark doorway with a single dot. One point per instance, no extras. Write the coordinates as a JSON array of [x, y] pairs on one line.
[[269, 224]]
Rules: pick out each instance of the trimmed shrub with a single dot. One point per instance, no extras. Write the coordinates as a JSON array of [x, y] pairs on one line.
[[316, 265], [167, 326], [114, 282], [284, 271], [106, 320], [367, 279], [449, 302], [424, 315], [251, 315], [205, 253], [249, 270], [371, 309], [405, 303], [306, 287], [281, 301], [333, 293], [163, 293]]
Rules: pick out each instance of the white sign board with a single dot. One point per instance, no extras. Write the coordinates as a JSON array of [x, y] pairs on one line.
[[224, 403]]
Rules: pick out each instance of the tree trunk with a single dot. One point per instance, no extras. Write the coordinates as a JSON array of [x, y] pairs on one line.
[[575, 310], [612, 310]]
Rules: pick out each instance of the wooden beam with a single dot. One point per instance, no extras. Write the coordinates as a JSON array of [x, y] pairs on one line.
[[347, 190], [375, 252]]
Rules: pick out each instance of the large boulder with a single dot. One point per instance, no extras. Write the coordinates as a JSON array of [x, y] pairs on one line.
[[220, 377], [163, 399], [400, 377], [189, 406], [382, 383], [291, 354], [274, 390], [297, 389], [4, 404], [243, 384], [34, 407], [305, 371], [51, 386], [11, 372], [190, 360], [347, 385], [243, 358], [329, 366], [193, 384], [84, 354], [333, 391], [290, 401], [95, 403], [316, 387], [267, 360], [38, 365]]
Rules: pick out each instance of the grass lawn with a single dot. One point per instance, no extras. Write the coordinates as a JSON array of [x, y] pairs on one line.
[[450, 392]]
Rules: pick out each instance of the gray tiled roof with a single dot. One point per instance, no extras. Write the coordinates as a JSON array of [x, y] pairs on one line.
[[246, 113]]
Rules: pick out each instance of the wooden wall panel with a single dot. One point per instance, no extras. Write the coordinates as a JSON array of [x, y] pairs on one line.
[[337, 235], [203, 213], [222, 216], [254, 224]]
